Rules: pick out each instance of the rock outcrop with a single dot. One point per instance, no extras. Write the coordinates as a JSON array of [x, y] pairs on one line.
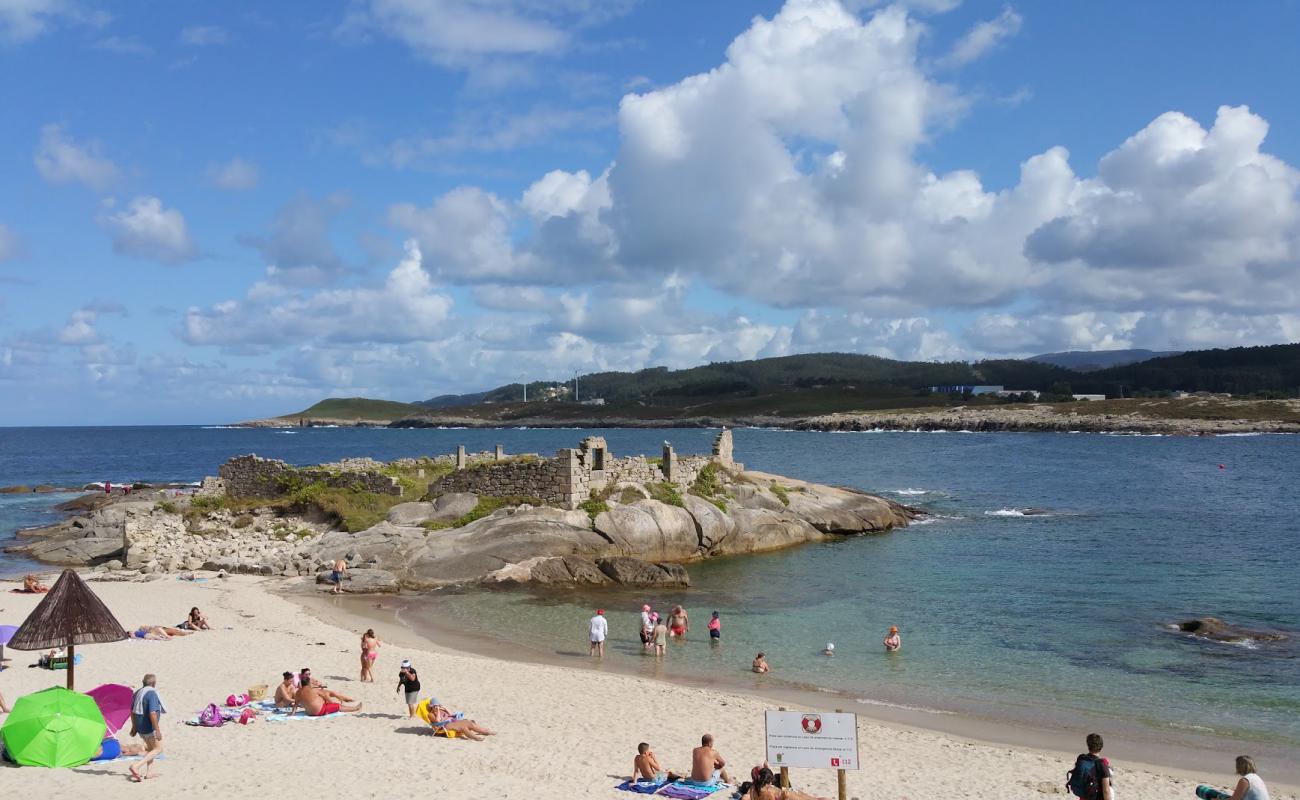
[[1217, 630], [640, 542]]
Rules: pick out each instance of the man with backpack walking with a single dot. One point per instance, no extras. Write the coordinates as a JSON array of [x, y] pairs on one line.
[[1090, 778]]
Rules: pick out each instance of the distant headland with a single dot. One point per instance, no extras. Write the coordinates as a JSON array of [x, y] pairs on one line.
[[1239, 390]]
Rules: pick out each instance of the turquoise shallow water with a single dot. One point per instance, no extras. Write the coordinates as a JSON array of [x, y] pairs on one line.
[[1055, 619]]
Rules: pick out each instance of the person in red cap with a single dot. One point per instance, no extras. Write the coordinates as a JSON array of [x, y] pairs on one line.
[[598, 628]]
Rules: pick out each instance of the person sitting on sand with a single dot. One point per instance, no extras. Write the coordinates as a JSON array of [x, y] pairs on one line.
[[318, 701], [196, 621], [285, 692], [707, 764], [645, 767], [441, 718], [760, 664], [33, 585], [304, 678], [893, 642], [158, 633], [1249, 785], [765, 787], [678, 623]]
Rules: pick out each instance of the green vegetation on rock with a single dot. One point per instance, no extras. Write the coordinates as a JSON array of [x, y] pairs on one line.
[[666, 493], [487, 505], [355, 408], [782, 493]]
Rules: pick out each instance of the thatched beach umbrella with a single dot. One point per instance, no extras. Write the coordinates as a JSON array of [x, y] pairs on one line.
[[69, 615]]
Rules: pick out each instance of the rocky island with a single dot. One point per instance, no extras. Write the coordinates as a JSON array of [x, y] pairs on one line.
[[582, 517]]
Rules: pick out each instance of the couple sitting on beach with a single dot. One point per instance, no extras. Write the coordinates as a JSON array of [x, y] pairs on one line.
[[708, 767], [305, 691]]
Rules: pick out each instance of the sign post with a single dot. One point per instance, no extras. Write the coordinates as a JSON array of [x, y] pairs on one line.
[[813, 741]]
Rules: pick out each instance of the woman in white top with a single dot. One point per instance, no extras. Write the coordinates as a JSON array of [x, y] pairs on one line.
[[1250, 786]]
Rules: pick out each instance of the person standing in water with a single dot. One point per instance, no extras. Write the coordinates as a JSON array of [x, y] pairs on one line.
[[647, 627], [678, 622], [598, 629], [893, 643], [715, 627], [336, 576]]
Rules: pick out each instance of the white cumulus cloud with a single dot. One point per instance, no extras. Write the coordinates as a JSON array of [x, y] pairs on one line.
[[984, 37], [24, 20], [60, 159], [147, 229]]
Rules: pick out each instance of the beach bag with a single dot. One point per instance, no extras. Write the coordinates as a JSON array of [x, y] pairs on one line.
[[210, 717], [246, 716], [257, 692], [236, 700], [1085, 779]]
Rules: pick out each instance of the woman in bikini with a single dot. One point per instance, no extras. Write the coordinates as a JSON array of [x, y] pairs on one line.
[[765, 787], [196, 621], [369, 652]]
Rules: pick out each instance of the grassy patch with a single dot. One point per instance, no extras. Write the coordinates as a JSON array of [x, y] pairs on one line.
[[594, 506], [630, 495], [165, 506], [243, 520], [666, 493], [782, 493], [205, 503], [487, 504]]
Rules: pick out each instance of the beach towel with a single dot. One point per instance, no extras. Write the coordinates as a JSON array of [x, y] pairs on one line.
[[641, 787], [686, 790], [283, 717]]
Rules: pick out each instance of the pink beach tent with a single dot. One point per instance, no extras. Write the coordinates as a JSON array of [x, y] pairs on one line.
[[114, 701]]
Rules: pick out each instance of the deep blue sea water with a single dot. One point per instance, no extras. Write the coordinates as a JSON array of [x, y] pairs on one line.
[[1049, 618]]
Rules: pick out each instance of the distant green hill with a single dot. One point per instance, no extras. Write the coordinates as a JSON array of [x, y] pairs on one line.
[[1090, 360], [356, 408], [819, 383]]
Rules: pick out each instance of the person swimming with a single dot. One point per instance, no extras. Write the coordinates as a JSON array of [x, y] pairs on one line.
[[830, 649], [893, 643], [760, 664]]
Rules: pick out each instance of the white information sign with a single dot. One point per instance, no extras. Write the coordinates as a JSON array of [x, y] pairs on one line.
[[812, 740]]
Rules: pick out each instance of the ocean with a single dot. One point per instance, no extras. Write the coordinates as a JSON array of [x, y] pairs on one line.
[[1056, 618]]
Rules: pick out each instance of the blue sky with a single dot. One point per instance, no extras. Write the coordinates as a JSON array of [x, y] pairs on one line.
[[214, 211]]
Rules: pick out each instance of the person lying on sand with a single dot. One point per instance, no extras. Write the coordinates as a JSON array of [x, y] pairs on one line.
[[707, 764], [764, 788], [196, 621], [645, 767], [33, 585], [158, 633], [285, 692], [111, 749], [440, 717], [318, 702]]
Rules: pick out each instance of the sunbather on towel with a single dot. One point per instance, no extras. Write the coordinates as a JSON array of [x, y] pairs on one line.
[[111, 749], [159, 633], [441, 718], [645, 767], [764, 788], [707, 764], [318, 701], [284, 693], [33, 585]]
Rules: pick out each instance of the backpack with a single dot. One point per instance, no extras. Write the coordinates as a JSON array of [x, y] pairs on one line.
[[210, 717], [1085, 779]]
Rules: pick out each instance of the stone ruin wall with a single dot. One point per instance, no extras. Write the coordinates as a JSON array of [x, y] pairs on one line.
[[566, 480], [252, 476]]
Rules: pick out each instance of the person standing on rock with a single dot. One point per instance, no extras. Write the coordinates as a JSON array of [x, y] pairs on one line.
[[598, 629], [336, 576]]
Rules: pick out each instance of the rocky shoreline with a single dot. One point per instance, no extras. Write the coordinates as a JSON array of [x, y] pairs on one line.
[[474, 522], [1034, 419], [1045, 418]]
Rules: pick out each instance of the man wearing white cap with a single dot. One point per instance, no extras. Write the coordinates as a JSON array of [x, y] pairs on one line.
[[598, 628], [409, 681]]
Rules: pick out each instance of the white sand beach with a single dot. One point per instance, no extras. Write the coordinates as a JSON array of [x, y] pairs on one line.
[[563, 732]]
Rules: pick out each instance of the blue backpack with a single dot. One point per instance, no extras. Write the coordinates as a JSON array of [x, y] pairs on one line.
[[1085, 779]]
